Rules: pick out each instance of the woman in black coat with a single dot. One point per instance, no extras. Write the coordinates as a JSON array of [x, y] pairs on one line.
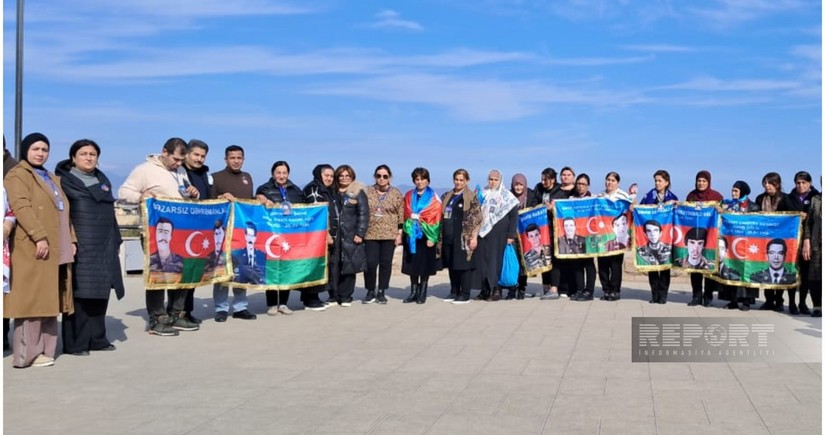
[[773, 199], [96, 269], [319, 190], [349, 224], [279, 191]]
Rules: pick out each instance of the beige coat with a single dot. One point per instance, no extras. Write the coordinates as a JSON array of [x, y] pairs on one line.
[[38, 288]]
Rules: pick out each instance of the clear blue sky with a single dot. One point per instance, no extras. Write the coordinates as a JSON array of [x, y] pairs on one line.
[[733, 86]]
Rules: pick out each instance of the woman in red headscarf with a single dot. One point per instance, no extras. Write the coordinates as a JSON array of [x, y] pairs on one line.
[[702, 193]]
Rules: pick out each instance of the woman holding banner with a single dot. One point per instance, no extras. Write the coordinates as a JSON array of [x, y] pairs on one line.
[[773, 199], [738, 297], [422, 228], [383, 234], [702, 193], [350, 221], [460, 225], [317, 191], [660, 194], [584, 279], [610, 267], [96, 270], [499, 212], [519, 189], [279, 191]]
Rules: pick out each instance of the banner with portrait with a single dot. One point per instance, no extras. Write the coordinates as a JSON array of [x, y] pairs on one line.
[[184, 243], [695, 236], [534, 240], [759, 249], [591, 227], [279, 248], [653, 237]]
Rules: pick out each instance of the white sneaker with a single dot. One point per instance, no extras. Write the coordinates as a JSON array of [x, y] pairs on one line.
[[272, 311], [563, 295], [346, 304], [283, 309], [43, 361]]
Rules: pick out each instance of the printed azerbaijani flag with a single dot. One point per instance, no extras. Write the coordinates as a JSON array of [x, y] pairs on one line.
[[759, 249], [534, 240], [277, 248], [653, 237], [428, 217], [184, 243], [695, 234], [591, 227]]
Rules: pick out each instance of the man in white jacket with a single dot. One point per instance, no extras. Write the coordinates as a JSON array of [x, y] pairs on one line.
[[162, 176]]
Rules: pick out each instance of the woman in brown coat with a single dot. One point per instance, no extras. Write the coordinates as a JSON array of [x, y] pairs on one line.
[[42, 246]]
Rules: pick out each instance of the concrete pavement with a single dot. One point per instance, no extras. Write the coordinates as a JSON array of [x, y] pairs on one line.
[[510, 367]]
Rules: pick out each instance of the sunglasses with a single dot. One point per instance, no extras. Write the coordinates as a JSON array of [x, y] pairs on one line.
[[382, 176]]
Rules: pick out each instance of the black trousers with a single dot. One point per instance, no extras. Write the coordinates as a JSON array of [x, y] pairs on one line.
[[277, 297], [659, 284], [310, 294], [816, 293], [189, 302], [346, 287], [461, 280], [379, 257], [154, 302], [696, 280], [804, 284], [6, 341], [610, 273], [581, 275], [86, 328]]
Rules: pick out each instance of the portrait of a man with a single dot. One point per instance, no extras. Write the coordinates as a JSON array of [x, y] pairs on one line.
[[249, 264], [217, 258], [163, 259], [622, 239], [536, 255], [695, 239], [570, 243], [776, 273], [654, 252], [725, 271]]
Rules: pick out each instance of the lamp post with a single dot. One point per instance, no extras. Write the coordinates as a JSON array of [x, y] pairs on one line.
[[18, 83]]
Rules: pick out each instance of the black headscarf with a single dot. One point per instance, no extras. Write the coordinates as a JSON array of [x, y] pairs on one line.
[[315, 191], [27, 143]]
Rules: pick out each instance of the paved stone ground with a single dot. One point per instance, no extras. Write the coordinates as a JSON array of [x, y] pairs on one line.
[[510, 367]]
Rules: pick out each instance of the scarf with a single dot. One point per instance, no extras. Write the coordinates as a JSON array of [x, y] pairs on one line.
[[707, 195], [423, 215], [522, 199], [497, 203]]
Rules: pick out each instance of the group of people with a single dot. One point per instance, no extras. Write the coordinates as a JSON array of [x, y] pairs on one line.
[[62, 235]]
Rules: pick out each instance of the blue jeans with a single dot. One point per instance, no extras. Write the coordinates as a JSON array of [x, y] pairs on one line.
[[220, 294]]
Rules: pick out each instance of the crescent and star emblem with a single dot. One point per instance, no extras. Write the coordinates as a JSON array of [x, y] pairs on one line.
[[204, 245]]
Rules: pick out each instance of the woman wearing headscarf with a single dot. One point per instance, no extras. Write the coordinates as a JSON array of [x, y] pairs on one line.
[[660, 194], [460, 224], [610, 267], [499, 212], [319, 191], [800, 200], [96, 270], [386, 204], [812, 252], [519, 189], [773, 199], [584, 279], [738, 297], [279, 191], [42, 246], [422, 228], [702, 193], [352, 216]]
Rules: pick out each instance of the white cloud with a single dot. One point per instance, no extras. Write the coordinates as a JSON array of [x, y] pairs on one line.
[[732, 12], [597, 61], [389, 19], [712, 84], [660, 48]]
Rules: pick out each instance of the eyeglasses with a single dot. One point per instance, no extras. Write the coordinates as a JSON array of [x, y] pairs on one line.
[[382, 176]]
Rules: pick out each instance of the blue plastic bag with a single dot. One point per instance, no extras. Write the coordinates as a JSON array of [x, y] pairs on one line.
[[509, 268]]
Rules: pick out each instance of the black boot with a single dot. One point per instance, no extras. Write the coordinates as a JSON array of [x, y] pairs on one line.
[[519, 294], [496, 295], [414, 290], [511, 294], [422, 293], [381, 297]]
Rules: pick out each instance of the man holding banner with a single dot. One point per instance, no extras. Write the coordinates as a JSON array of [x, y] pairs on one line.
[[162, 176]]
